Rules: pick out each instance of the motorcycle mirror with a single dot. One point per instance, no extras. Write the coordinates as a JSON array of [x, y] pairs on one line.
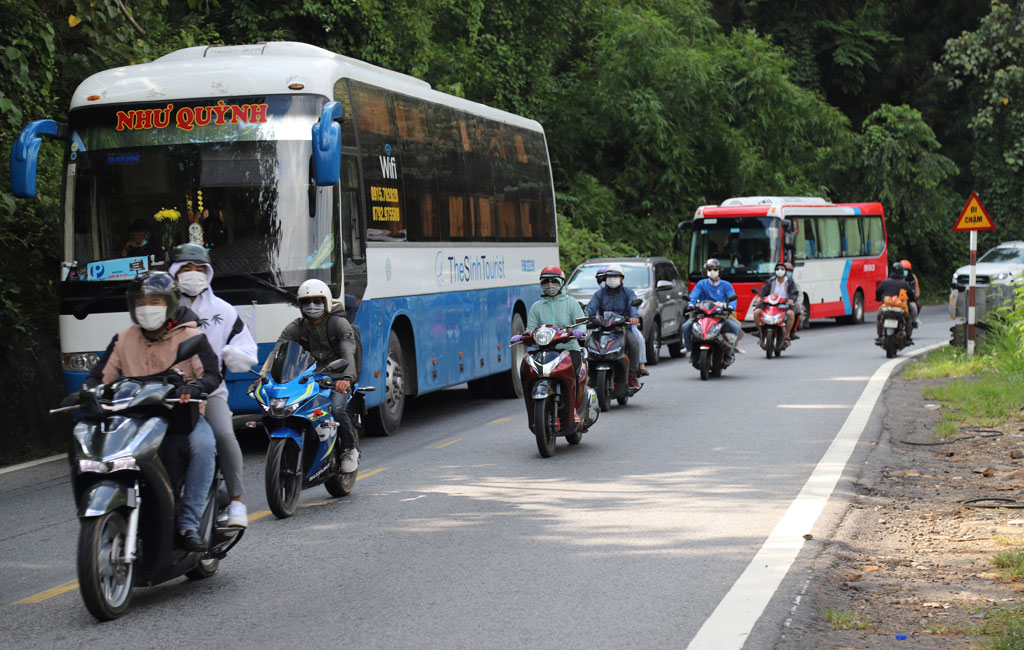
[[753, 290], [637, 302], [685, 296], [582, 320], [336, 365], [731, 298], [189, 348]]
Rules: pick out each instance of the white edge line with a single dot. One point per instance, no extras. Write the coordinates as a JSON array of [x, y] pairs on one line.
[[32, 463], [730, 624]]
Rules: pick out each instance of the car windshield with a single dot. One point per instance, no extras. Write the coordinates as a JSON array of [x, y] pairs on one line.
[[1000, 255], [291, 361], [143, 178], [638, 276]]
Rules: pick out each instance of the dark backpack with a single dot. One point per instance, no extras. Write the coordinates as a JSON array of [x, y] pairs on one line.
[[334, 338]]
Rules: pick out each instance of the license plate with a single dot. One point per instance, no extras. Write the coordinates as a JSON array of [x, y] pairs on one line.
[[890, 322]]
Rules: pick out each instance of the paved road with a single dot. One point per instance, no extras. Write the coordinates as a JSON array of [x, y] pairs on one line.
[[459, 535]]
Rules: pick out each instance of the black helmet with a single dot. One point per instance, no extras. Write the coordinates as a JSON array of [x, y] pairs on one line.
[[712, 263], [896, 270], [154, 283], [190, 253]]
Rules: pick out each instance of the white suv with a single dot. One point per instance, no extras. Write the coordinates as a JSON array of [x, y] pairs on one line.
[[1002, 265]]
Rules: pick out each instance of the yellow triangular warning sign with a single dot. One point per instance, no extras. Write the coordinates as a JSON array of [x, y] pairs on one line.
[[974, 216]]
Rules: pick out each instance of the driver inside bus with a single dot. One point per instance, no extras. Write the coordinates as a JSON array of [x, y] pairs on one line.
[[140, 241]]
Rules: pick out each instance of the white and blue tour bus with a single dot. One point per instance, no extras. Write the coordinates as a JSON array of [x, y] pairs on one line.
[[290, 162]]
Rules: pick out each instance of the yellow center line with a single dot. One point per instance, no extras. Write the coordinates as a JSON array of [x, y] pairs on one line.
[[259, 514], [442, 445], [370, 473], [49, 593], [500, 421]]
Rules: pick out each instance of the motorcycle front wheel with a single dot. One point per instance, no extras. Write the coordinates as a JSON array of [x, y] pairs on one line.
[[769, 342], [545, 419], [602, 384], [283, 477], [104, 582], [705, 364]]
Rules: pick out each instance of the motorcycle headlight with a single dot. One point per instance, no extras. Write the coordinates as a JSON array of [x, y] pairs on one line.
[[715, 330], [279, 407], [543, 336], [89, 465], [122, 463]]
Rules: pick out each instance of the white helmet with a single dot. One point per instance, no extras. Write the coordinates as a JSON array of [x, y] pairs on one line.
[[314, 288], [614, 269]]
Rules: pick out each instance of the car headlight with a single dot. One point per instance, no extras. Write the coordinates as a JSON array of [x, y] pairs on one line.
[[543, 336], [80, 361]]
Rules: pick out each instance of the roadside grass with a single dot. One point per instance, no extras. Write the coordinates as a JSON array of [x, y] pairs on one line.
[[1002, 629], [1011, 564], [987, 400], [949, 630], [947, 361], [1008, 540], [846, 619]]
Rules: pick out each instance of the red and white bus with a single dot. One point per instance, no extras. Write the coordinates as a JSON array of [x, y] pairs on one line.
[[838, 250]]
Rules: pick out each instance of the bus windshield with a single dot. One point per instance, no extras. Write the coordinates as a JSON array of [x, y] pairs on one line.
[[746, 246], [231, 175]]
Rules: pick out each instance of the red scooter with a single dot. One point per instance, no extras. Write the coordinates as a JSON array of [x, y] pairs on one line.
[[773, 325], [558, 401], [711, 353]]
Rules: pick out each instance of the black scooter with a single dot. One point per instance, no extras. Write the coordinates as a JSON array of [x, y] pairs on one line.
[[607, 361], [894, 330], [128, 499]]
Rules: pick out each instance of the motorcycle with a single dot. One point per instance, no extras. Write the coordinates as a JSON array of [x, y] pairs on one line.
[[894, 330], [558, 401], [303, 450], [607, 361], [711, 353], [128, 497], [773, 325]]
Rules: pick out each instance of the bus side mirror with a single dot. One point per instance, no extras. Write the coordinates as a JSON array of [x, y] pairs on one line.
[[327, 145], [681, 228], [25, 155]]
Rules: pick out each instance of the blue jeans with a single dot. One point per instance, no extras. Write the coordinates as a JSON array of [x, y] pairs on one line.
[[202, 454], [729, 325], [641, 343]]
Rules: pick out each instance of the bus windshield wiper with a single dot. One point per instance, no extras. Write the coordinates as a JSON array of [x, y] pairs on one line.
[[82, 310], [287, 295]]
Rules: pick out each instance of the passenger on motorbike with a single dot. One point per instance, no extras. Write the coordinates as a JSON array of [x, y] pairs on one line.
[[324, 331], [796, 323], [911, 278], [895, 291], [235, 349], [713, 288], [615, 297], [784, 288], [149, 347]]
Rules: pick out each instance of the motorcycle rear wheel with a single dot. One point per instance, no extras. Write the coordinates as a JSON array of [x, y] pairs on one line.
[[283, 477], [890, 347], [545, 419], [105, 584], [705, 364]]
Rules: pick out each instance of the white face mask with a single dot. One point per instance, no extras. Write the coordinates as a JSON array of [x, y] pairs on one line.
[[151, 317], [712, 275], [613, 281], [313, 310], [193, 283], [780, 273]]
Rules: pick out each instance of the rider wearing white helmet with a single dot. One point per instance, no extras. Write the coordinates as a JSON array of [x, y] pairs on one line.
[[326, 333]]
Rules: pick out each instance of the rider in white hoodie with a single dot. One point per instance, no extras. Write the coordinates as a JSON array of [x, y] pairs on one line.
[[235, 347]]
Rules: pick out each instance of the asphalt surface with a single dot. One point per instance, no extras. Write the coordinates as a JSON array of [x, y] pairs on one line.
[[459, 535]]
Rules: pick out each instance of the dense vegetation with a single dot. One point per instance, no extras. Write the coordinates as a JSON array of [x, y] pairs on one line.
[[652, 107]]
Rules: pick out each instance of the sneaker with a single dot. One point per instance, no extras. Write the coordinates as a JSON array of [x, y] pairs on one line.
[[643, 372], [238, 516], [879, 341], [794, 336], [740, 350], [191, 541], [633, 383], [349, 461]]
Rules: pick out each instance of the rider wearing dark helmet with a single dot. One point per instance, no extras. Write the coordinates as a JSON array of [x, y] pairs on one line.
[[899, 293], [150, 346]]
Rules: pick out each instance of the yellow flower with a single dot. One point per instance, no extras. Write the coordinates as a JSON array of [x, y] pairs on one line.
[[73, 20], [165, 214]]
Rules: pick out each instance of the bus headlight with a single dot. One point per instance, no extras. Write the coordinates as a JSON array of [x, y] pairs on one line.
[[80, 361]]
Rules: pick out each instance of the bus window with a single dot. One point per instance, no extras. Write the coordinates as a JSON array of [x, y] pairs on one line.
[[853, 241], [480, 179], [419, 180], [830, 243], [506, 190], [453, 211], [348, 129], [874, 235], [379, 145], [543, 224]]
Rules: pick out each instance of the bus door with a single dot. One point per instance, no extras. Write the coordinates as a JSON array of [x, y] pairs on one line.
[[353, 240]]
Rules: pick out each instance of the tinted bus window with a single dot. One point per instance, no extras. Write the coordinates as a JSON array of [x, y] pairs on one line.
[[378, 143], [480, 179], [453, 209], [419, 180], [348, 129], [506, 188]]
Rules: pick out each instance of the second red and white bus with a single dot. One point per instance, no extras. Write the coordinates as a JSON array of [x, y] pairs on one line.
[[838, 250]]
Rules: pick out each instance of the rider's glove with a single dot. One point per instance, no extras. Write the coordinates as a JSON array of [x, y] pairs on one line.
[[189, 389]]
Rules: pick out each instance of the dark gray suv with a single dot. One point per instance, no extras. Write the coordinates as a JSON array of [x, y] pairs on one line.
[[657, 282]]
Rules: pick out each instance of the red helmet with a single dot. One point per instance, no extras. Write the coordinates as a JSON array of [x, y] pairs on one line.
[[552, 272], [905, 264]]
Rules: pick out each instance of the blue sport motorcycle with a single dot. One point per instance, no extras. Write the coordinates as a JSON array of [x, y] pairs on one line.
[[304, 449]]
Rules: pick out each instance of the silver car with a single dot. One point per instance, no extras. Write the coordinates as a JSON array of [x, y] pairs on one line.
[[657, 282]]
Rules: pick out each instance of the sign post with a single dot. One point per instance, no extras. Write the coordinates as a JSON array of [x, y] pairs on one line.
[[973, 218]]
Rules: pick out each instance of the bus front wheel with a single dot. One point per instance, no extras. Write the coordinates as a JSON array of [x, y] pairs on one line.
[[386, 417]]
